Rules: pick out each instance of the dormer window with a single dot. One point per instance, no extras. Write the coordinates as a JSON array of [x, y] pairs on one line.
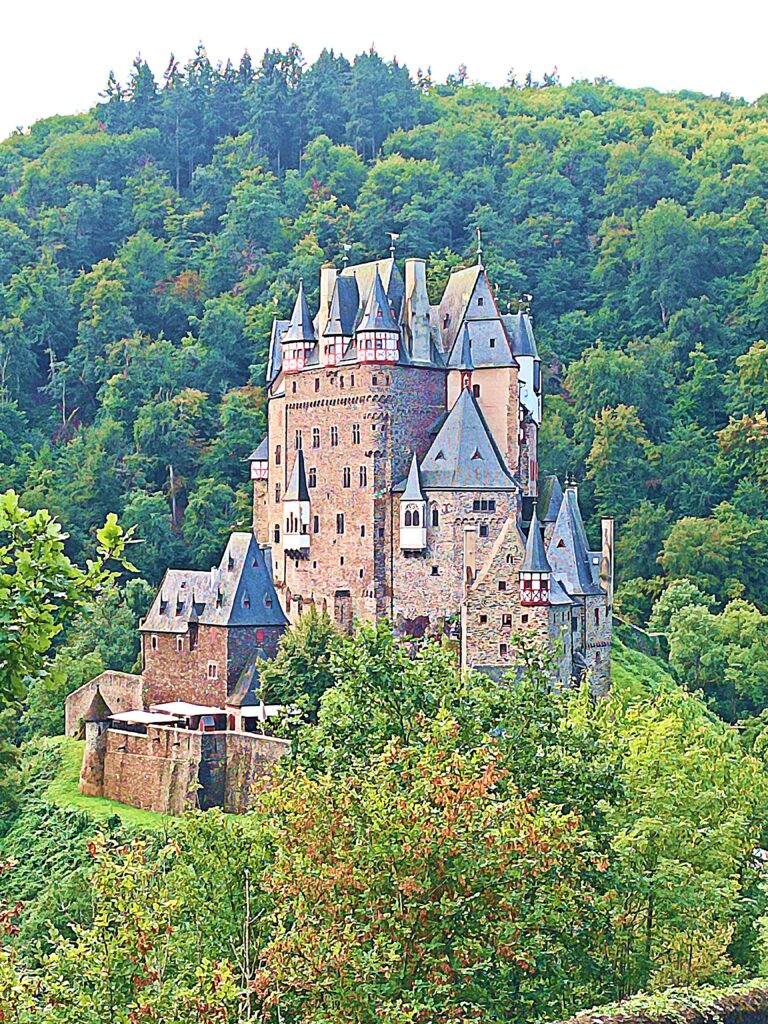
[[267, 601], [246, 601], [480, 301], [492, 343]]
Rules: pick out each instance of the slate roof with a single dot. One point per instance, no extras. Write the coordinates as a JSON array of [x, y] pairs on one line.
[[573, 562], [344, 307], [300, 327], [476, 337], [260, 454], [98, 710], [413, 491], [456, 297], [275, 358], [520, 332], [238, 592], [377, 315], [550, 499], [297, 489], [246, 691], [557, 594], [391, 279], [464, 344], [535, 558], [464, 455]]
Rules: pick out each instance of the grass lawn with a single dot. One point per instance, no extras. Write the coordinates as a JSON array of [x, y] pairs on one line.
[[63, 791], [636, 673]]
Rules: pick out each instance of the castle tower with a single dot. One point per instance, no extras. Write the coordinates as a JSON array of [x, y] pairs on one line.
[[96, 721], [296, 510], [535, 570], [259, 460], [299, 339], [378, 334], [413, 512]]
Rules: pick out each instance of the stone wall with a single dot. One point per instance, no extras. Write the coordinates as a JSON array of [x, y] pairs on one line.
[[420, 591], [171, 771], [121, 691], [249, 758], [173, 671], [157, 771], [368, 417]]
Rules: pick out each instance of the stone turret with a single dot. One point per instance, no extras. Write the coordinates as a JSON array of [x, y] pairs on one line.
[[413, 512], [299, 339], [378, 334], [296, 510], [96, 721]]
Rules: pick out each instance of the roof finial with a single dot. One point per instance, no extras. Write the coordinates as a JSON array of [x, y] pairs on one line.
[[393, 237], [479, 248], [345, 254]]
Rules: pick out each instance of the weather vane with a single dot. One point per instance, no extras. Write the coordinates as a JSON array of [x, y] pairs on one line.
[[393, 236]]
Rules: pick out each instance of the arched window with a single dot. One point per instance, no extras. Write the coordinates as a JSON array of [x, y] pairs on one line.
[[416, 518], [408, 518], [435, 516]]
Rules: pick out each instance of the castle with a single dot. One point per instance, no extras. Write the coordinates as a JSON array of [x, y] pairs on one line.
[[398, 478]]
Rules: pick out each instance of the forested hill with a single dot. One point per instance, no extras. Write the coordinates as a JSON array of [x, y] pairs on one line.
[[145, 245]]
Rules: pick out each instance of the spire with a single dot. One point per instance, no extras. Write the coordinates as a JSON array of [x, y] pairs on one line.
[[535, 558], [465, 360], [98, 709], [413, 491], [377, 315], [297, 489], [300, 328]]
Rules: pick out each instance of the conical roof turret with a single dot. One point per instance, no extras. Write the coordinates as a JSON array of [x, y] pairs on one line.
[[535, 558], [300, 327], [377, 315], [413, 491], [98, 709], [297, 489]]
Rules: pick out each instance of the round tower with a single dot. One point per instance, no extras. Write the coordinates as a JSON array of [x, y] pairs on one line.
[[96, 721]]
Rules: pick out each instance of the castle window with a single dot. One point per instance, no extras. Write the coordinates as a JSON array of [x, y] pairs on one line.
[[574, 625], [277, 455], [293, 388], [315, 524], [502, 584], [362, 530], [381, 531], [361, 574], [408, 518], [446, 320], [298, 440], [524, 619], [341, 560], [480, 300], [247, 600], [483, 529], [213, 670], [435, 571], [492, 343], [277, 493], [276, 533], [374, 379], [503, 650], [597, 616], [334, 437], [341, 382], [346, 477], [476, 390], [267, 601], [435, 516], [315, 437], [363, 476], [355, 433], [506, 619], [340, 522], [416, 518], [312, 481], [510, 559], [153, 642], [179, 643], [352, 380], [483, 620], [317, 383]]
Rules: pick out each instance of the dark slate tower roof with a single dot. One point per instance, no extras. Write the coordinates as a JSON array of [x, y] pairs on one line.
[[238, 592], [297, 489], [464, 455], [413, 491], [260, 454], [550, 499], [520, 331], [98, 709], [246, 691], [377, 315], [535, 558], [465, 352], [301, 327], [345, 302]]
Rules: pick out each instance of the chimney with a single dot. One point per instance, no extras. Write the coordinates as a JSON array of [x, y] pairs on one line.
[[328, 274], [606, 561], [417, 309]]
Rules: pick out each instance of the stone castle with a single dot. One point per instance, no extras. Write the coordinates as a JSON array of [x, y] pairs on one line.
[[399, 478]]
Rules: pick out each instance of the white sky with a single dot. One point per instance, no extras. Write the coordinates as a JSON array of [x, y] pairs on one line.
[[55, 55]]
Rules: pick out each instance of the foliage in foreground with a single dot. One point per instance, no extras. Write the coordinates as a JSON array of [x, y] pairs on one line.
[[510, 855]]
